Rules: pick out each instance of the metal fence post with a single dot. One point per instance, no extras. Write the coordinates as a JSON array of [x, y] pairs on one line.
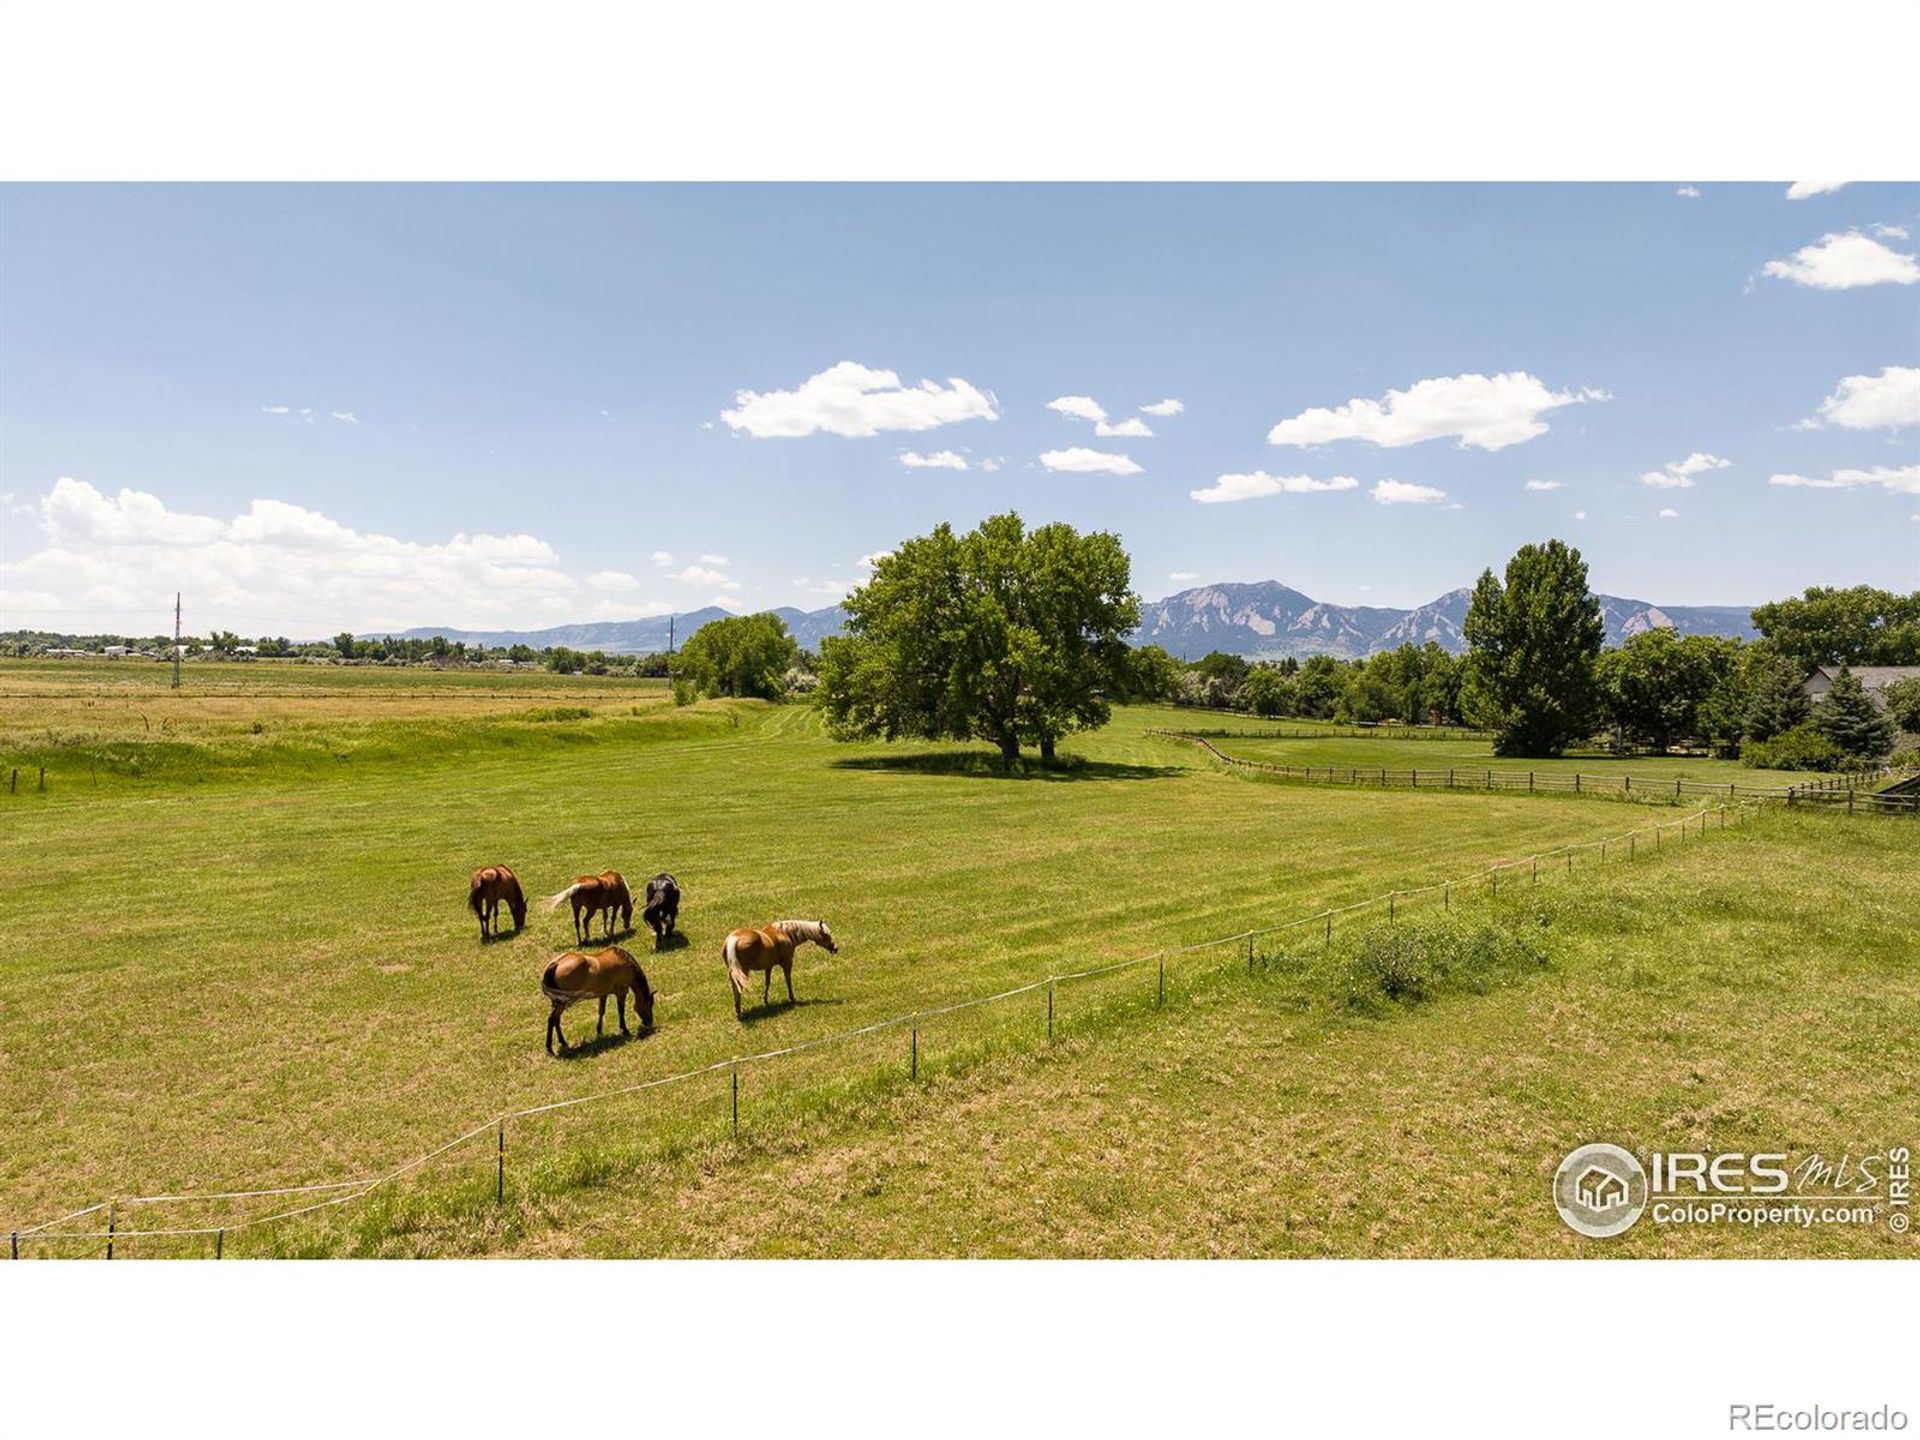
[[736, 1102], [1049, 1012], [112, 1225], [220, 1244], [913, 1072], [500, 1170], [1392, 895], [1162, 1000], [16, 1244]]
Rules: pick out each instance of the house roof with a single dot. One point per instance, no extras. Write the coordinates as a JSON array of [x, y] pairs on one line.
[[1873, 677]]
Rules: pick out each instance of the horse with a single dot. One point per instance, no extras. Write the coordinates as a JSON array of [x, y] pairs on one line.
[[662, 907], [593, 893], [490, 885], [771, 945], [573, 977]]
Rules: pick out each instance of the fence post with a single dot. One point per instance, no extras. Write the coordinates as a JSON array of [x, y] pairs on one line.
[[913, 1072], [1249, 954], [43, 777], [1529, 782], [1630, 848], [1446, 897], [1329, 929], [1849, 802], [736, 1102], [13, 784], [1629, 787], [16, 1244], [1576, 782], [1050, 1012], [1536, 870], [112, 1225], [1391, 897], [220, 1243], [1416, 779], [1493, 877], [1449, 777], [1162, 998], [500, 1170], [1676, 789]]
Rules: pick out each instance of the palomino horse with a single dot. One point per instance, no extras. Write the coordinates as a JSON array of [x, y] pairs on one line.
[[593, 893], [662, 907], [490, 886], [768, 946], [573, 977]]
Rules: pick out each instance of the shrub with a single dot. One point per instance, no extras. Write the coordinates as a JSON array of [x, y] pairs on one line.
[[1420, 960], [1801, 748]]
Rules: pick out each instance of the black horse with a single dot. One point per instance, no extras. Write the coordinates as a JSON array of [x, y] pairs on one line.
[[663, 905]]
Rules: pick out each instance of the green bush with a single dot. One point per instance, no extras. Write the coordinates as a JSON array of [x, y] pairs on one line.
[[1801, 748], [1424, 959]]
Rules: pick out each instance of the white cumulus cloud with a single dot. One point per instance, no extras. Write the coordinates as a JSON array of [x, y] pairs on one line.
[[1078, 407], [1169, 406], [856, 401], [104, 559], [1807, 189], [1669, 513], [1872, 402], [1180, 577], [1078, 460], [662, 557], [1488, 412], [1133, 427], [1678, 474], [1900, 480], [939, 460], [1400, 492], [1688, 192], [715, 560], [703, 575], [1546, 485], [345, 416], [1229, 488], [1845, 262]]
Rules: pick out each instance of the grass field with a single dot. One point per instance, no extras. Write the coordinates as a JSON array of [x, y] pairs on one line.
[[240, 962], [1470, 755]]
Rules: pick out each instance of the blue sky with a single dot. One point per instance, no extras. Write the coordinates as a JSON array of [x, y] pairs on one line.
[[315, 407]]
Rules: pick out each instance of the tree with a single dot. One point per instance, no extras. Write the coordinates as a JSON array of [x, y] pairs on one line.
[[1533, 645], [1319, 685], [1267, 692], [343, 642], [1154, 676], [1002, 634], [1903, 704], [1851, 721], [1857, 626], [743, 655], [1779, 701], [1654, 686]]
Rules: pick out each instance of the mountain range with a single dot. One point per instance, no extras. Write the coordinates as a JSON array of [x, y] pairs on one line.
[[1262, 619]]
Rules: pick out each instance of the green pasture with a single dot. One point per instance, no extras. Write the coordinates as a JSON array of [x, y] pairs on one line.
[[249, 963], [1467, 756]]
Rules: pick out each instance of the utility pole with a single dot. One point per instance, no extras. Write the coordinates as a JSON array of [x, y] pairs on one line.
[[669, 634], [176, 639]]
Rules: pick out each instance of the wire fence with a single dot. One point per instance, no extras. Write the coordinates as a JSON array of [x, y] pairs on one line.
[[1849, 791], [312, 1199]]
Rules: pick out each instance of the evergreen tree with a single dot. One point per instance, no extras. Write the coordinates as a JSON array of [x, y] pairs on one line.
[[1779, 702], [1853, 722]]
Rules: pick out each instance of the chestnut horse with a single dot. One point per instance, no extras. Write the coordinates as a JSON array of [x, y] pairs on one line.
[[573, 977], [591, 894], [490, 885], [771, 945]]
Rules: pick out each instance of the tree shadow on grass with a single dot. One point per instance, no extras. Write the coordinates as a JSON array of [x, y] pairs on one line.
[[986, 765]]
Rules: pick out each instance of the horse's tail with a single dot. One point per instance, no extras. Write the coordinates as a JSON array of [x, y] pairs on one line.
[[734, 972], [551, 989], [565, 895]]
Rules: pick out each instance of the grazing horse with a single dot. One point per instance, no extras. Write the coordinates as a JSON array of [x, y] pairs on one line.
[[573, 977], [594, 893], [771, 945], [662, 907], [491, 885]]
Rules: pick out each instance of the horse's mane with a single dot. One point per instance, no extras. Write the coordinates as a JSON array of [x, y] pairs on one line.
[[806, 929]]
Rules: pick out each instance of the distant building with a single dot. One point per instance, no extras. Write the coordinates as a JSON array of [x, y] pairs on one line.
[[1873, 679]]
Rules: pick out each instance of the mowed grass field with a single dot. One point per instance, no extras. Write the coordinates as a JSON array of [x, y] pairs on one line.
[[224, 975], [1469, 757]]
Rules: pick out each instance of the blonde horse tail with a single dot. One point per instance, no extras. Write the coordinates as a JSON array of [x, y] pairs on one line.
[[565, 895], [734, 972]]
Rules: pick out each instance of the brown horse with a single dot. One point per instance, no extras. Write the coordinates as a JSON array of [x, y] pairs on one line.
[[771, 945], [591, 894], [491, 884], [573, 977]]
